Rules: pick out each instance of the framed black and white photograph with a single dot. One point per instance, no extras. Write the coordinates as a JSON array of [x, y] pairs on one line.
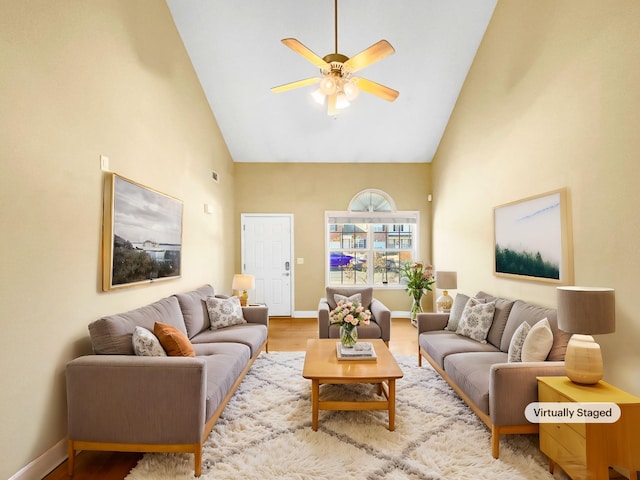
[[142, 234], [533, 239]]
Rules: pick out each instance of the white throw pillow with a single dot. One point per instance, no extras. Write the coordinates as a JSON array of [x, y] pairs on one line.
[[146, 344], [476, 320], [224, 312], [515, 346], [538, 342]]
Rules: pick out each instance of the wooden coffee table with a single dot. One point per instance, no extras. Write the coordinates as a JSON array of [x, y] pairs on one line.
[[321, 365]]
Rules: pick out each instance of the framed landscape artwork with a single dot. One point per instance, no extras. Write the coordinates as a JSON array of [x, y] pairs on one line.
[[142, 234], [533, 239]]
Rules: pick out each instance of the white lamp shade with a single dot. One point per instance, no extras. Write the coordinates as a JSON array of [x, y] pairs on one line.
[[243, 282]]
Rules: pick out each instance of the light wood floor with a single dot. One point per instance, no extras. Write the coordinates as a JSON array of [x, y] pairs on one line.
[[285, 335]]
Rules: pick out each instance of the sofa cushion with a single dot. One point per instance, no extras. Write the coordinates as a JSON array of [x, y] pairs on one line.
[[111, 335], [515, 347], [174, 342], [471, 372], [459, 302], [439, 344], [500, 317], [476, 320], [372, 330], [365, 292], [227, 368], [522, 311], [224, 312], [194, 310], [253, 335], [538, 342], [146, 344]]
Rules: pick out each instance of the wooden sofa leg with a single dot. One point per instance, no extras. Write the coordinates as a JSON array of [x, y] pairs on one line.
[[71, 461], [495, 441], [197, 461]]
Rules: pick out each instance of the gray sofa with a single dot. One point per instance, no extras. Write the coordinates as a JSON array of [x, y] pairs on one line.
[[118, 401], [496, 390], [379, 327]]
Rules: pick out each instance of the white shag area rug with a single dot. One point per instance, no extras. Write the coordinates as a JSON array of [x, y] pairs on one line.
[[265, 433]]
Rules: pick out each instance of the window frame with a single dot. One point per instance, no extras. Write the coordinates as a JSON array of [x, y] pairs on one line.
[[372, 218]]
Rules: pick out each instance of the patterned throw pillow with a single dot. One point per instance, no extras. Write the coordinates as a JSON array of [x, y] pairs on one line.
[[538, 343], [146, 344], [224, 312], [476, 320], [356, 297], [515, 346]]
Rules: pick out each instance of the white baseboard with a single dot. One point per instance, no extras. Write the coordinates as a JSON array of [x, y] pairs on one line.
[[44, 464]]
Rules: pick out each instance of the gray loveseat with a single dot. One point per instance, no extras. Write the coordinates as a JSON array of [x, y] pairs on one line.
[[496, 390], [118, 401]]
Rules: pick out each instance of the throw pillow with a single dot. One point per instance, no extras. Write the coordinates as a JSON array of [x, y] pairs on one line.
[[174, 342], [146, 344], [515, 346], [224, 312], [476, 320], [457, 308], [356, 297], [538, 343]]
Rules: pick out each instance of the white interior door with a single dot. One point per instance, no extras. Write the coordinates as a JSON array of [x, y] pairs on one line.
[[267, 241]]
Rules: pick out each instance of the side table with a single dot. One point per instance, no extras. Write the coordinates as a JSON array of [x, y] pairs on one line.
[[587, 450]]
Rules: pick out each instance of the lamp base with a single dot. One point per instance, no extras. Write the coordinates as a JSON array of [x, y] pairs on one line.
[[583, 360], [243, 298], [444, 302]]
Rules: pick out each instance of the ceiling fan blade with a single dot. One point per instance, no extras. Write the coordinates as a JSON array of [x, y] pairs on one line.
[[298, 84], [373, 54], [376, 89], [299, 48], [331, 105]]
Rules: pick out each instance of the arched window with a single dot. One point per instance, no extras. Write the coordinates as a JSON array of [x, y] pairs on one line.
[[368, 243]]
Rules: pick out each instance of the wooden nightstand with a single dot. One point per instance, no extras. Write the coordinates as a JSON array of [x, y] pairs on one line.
[[587, 450]]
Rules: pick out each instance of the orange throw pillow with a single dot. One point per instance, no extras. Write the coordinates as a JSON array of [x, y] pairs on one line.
[[175, 343]]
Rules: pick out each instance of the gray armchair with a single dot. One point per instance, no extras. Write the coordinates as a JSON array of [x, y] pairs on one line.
[[379, 327]]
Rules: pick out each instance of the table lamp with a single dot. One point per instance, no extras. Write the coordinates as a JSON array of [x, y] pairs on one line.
[[243, 282], [585, 311], [445, 281]]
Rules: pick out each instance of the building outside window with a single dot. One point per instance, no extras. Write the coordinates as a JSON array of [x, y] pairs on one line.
[[368, 244]]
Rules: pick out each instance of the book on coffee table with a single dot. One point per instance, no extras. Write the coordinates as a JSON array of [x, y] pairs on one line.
[[361, 351]]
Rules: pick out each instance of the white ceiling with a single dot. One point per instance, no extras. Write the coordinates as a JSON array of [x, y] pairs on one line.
[[236, 52]]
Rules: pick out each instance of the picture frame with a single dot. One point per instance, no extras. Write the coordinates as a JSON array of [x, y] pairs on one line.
[[532, 239], [142, 234]]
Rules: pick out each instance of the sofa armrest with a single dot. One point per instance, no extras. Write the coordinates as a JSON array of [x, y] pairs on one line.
[[131, 399], [256, 314], [513, 386], [428, 322], [382, 316], [323, 318]]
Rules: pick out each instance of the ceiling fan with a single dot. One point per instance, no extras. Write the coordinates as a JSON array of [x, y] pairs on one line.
[[337, 83]]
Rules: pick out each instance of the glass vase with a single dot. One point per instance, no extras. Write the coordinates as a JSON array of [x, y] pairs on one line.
[[416, 308], [348, 335]]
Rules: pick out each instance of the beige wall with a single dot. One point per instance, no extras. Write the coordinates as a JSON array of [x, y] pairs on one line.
[[80, 79], [308, 190], [552, 101]]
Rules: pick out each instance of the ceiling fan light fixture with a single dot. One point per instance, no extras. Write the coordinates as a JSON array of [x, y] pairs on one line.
[[328, 84], [341, 101], [350, 90], [318, 96]]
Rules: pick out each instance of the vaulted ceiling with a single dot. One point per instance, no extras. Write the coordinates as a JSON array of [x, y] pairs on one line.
[[236, 51]]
